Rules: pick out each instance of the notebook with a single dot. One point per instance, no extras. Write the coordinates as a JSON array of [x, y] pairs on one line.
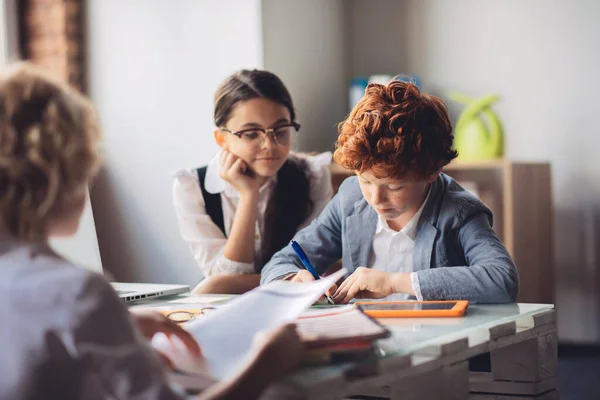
[[337, 325]]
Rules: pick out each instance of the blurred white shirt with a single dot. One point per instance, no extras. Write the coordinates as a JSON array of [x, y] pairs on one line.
[[67, 335]]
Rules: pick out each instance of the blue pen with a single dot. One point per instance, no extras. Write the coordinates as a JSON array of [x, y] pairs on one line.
[[304, 259]]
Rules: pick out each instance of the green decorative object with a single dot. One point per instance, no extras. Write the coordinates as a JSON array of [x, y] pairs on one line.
[[478, 132]]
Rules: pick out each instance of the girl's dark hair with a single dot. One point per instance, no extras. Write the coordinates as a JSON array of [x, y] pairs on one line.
[[290, 203], [246, 85]]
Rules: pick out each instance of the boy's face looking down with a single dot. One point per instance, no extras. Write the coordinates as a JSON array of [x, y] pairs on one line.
[[396, 200]]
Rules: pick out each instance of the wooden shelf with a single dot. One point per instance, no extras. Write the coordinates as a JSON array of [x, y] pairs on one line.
[[483, 164], [520, 197], [498, 163]]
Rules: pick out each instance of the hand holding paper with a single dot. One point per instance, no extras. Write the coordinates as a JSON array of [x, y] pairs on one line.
[[226, 336]]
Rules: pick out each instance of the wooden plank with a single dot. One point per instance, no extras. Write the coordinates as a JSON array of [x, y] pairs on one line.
[[449, 382], [445, 349], [508, 214], [456, 381], [483, 382], [547, 317], [379, 366], [509, 328], [532, 225], [458, 165], [548, 355], [523, 335], [553, 395], [376, 385], [394, 363], [528, 361], [500, 342]]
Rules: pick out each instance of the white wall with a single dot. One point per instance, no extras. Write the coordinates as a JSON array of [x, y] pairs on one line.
[[3, 33], [543, 58], [376, 42], [82, 248], [305, 45], [11, 30], [153, 68]]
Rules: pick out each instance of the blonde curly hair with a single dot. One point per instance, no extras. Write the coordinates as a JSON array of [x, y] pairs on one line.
[[49, 150]]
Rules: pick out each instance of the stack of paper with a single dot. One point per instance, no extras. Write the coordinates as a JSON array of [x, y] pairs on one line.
[[339, 325], [226, 336]]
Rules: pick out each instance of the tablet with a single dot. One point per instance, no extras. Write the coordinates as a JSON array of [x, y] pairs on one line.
[[413, 309]]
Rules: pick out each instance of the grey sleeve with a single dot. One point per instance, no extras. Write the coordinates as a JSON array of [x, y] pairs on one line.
[[106, 342], [490, 275], [321, 241]]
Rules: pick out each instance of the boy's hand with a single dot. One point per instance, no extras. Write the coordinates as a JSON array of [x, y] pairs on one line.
[[305, 276], [366, 283], [302, 276]]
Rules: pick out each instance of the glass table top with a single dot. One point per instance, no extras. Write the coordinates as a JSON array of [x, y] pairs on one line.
[[408, 335], [411, 334]]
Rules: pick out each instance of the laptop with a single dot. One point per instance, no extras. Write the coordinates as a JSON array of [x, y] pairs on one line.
[[130, 292]]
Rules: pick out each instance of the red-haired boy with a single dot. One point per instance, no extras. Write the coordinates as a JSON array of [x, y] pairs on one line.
[[401, 225]]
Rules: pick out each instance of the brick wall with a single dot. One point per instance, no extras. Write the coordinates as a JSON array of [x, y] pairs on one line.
[[75, 43], [52, 37]]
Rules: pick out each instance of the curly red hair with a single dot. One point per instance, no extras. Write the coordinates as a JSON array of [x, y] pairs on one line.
[[395, 130]]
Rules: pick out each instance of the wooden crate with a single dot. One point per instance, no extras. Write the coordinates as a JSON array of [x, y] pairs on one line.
[[441, 371]]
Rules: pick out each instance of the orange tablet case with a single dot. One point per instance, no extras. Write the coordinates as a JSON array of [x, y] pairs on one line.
[[458, 310]]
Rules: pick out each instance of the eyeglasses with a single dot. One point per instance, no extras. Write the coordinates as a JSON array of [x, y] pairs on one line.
[[283, 135], [185, 316]]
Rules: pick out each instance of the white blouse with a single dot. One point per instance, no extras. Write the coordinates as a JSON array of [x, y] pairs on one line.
[[205, 239]]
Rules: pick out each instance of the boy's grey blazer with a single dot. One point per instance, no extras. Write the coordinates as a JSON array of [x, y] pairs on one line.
[[457, 255]]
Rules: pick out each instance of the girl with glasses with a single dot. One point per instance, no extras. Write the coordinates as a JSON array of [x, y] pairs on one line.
[[254, 195]]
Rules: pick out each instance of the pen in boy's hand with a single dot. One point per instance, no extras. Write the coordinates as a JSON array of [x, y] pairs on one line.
[[304, 260]]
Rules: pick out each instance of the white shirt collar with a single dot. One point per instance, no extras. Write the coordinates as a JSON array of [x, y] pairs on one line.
[[213, 183], [410, 229]]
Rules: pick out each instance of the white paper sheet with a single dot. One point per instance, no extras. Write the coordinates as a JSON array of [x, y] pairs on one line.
[[226, 336]]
